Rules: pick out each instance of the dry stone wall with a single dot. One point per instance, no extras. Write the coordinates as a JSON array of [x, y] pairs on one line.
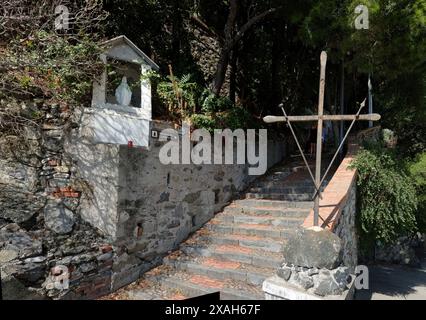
[[147, 209], [42, 233], [159, 206], [98, 215]]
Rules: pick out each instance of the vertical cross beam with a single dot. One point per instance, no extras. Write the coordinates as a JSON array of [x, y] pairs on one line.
[[319, 135]]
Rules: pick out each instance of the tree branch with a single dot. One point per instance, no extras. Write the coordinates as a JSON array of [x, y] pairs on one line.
[[205, 27], [248, 25]]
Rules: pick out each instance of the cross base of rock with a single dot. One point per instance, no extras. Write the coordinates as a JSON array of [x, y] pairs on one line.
[[313, 269]]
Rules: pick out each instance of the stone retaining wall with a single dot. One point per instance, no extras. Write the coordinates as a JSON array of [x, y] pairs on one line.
[[147, 209], [42, 234]]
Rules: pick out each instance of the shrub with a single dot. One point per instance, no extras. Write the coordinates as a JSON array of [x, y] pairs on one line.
[[179, 94], [238, 118], [203, 121], [211, 103], [418, 174], [388, 200], [50, 66]]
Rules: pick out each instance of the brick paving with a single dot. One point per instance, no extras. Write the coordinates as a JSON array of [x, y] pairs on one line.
[[236, 251]]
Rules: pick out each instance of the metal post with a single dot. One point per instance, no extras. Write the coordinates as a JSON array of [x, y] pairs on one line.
[[319, 135]]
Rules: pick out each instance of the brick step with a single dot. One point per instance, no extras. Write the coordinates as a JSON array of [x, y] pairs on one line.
[[197, 285], [267, 211], [267, 244], [260, 220], [276, 204], [237, 253], [259, 230], [223, 269], [280, 196]]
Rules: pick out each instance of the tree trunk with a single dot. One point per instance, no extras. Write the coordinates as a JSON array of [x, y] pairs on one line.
[[230, 41], [233, 76], [221, 68], [222, 65], [276, 96]]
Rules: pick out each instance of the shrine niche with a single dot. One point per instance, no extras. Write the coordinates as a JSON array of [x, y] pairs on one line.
[[122, 99]]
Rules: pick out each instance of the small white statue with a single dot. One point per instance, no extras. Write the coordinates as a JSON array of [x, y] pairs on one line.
[[123, 94]]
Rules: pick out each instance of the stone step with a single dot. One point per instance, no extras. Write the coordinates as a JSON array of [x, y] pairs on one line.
[[198, 285], [259, 230], [253, 257], [286, 184], [275, 204], [267, 211], [161, 293], [260, 220], [283, 183], [280, 196], [267, 244], [223, 269], [283, 190]]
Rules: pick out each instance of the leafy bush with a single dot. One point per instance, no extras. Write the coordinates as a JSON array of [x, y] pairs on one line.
[[418, 174], [212, 103], [388, 200], [203, 121], [50, 66], [237, 118], [179, 94]]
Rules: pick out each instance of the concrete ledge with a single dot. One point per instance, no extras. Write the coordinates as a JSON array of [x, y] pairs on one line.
[[276, 288]]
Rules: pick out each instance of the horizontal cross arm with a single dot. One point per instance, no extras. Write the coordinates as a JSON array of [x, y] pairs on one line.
[[362, 117]]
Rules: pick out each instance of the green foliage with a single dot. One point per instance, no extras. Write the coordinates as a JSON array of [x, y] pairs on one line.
[[403, 109], [204, 121], [53, 67], [387, 194], [179, 94], [418, 173], [277, 59], [238, 118], [212, 103]]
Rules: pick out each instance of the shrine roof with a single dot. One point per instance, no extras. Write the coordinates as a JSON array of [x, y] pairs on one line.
[[139, 57]]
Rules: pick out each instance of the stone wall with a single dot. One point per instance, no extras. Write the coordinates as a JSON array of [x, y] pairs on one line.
[[103, 213], [147, 209], [345, 228], [42, 233]]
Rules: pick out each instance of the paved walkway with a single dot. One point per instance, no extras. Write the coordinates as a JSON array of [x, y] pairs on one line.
[[237, 250], [396, 283]]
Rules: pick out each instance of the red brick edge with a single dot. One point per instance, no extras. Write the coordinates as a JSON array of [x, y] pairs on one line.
[[336, 193]]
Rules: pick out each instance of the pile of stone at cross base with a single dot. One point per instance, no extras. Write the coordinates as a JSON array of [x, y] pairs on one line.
[[313, 263]]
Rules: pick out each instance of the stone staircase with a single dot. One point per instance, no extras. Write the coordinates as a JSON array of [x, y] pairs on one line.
[[237, 250]]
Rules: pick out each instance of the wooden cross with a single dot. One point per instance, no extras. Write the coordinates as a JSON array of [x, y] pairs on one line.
[[320, 118]]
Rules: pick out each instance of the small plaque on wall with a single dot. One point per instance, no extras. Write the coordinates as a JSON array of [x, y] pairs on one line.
[[154, 134]]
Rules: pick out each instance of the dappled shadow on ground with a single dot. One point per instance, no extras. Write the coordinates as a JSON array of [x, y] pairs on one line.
[[395, 283]]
